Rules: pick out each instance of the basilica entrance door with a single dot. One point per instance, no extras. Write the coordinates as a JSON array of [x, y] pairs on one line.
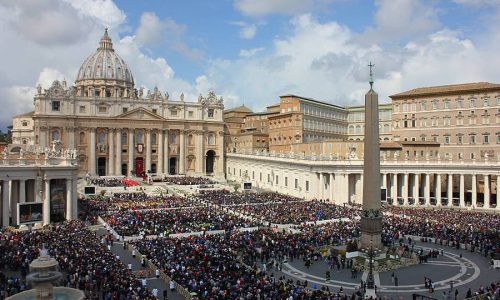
[[173, 166], [101, 166], [139, 166]]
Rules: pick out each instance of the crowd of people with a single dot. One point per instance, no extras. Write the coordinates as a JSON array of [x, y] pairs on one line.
[[135, 201], [86, 263], [226, 198], [163, 222], [183, 180]]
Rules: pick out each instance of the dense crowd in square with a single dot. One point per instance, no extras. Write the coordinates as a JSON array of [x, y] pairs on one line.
[[86, 263], [183, 180]]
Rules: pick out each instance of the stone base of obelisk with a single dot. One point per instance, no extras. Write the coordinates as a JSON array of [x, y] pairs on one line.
[[371, 233]]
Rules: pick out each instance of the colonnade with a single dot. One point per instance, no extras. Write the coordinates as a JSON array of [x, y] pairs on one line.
[[38, 190]]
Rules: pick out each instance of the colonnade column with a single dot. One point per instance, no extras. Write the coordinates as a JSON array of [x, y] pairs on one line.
[[38, 189], [450, 190], [130, 151], [69, 199], [5, 203], [438, 189], [474, 191], [405, 188], [14, 199], [46, 203], [148, 150], [332, 188], [321, 185], [219, 140], [21, 197], [394, 193], [427, 190], [159, 155], [486, 191], [182, 155], [498, 193], [462, 190], [111, 155], [416, 189], [167, 153], [118, 168], [92, 162], [74, 213]]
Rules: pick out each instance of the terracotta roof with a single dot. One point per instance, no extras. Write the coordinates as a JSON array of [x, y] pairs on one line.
[[448, 89], [241, 108]]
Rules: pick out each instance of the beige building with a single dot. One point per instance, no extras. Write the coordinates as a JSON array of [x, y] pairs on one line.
[[356, 121], [118, 129], [463, 118], [23, 128]]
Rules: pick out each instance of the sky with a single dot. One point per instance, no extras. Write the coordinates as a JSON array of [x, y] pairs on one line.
[[252, 51]]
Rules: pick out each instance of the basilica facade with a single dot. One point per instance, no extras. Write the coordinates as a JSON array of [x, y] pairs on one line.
[[120, 130]]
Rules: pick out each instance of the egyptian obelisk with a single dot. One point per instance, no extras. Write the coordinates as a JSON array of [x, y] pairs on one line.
[[371, 216]]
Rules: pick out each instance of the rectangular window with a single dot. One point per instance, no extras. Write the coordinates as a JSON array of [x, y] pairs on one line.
[[260, 176], [56, 106], [268, 177], [155, 111], [435, 138], [486, 139], [434, 105], [472, 139], [447, 104], [460, 104], [25, 123], [307, 186], [277, 179], [286, 181], [297, 181], [82, 108], [472, 103], [422, 105], [102, 109], [173, 112], [210, 112], [190, 113], [447, 140], [486, 102], [459, 140], [124, 109]]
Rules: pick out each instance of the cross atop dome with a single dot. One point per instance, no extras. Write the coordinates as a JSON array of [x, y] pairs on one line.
[[105, 43]]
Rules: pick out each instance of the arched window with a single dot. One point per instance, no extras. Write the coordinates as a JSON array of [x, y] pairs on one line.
[[190, 140], [124, 138], [82, 137], [139, 137], [101, 137], [173, 138], [153, 139], [56, 136]]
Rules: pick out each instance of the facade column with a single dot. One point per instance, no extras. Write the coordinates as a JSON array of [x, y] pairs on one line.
[[118, 162], [5, 204], [395, 189], [438, 189], [38, 189], [131, 148], [166, 155], [427, 190], [92, 162], [159, 154], [219, 141], [200, 141], [42, 139], [384, 181], [498, 193], [474, 191], [462, 191], [416, 189], [450, 190], [69, 199], [14, 199], [359, 188], [111, 153], [486, 191], [405, 188], [46, 203], [148, 150], [71, 137], [182, 155]]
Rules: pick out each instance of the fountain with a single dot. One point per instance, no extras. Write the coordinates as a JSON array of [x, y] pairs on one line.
[[44, 273]]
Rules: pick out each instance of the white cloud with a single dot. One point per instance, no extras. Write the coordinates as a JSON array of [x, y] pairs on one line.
[[105, 11], [478, 2], [48, 75], [265, 7], [248, 32], [327, 61], [250, 52], [153, 31]]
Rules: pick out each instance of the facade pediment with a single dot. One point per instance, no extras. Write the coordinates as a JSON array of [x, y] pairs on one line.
[[140, 114]]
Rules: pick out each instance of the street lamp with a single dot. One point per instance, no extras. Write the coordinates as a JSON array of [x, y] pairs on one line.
[[370, 282]]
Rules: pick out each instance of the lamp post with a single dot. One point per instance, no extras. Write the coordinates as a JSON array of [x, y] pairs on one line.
[[370, 282]]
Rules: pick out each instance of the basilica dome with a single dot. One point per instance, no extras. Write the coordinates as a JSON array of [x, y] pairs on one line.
[[104, 69]]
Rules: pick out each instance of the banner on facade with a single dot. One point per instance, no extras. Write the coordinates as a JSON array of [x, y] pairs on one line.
[[139, 147], [30, 213]]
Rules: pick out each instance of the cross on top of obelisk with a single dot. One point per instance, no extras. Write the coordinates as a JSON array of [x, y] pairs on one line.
[[371, 74]]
